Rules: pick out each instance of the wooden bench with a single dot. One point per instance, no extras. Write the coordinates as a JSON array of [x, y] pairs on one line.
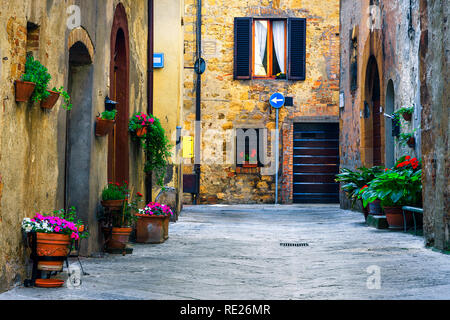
[[414, 210]]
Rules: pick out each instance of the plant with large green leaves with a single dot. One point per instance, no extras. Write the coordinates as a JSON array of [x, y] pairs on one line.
[[399, 186], [354, 181], [35, 72]]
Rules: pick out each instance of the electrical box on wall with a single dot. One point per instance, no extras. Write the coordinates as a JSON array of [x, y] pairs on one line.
[[188, 147], [158, 60]]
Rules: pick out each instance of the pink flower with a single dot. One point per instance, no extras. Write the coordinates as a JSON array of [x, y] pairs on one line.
[[75, 236], [57, 229]]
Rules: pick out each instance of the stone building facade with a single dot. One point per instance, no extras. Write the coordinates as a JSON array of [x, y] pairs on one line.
[[229, 102], [379, 48], [399, 50], [52, 159]]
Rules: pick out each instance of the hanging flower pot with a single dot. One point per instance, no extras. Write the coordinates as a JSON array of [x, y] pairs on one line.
[[407, 116], [394, 217], [103, 127], [51, 100], [141, 132], [24, 90], [411, 142]]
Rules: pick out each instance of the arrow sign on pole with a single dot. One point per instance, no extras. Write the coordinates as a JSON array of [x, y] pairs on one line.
[[277, 100]]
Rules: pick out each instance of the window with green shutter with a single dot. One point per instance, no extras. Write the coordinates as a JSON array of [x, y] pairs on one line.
[[270, 48]]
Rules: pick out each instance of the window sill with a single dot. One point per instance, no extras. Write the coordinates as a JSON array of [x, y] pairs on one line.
[[242, 170]]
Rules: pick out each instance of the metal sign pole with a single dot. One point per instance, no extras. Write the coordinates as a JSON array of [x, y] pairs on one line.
[[277, 158]]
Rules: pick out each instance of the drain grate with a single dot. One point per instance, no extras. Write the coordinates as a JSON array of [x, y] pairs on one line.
[[299, 244]]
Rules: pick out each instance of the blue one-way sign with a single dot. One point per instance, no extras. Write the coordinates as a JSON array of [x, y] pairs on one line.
[[277, 100]]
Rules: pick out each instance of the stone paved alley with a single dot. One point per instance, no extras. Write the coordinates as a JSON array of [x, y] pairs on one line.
[[234, 252]]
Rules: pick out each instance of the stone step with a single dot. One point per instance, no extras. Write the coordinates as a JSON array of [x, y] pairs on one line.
[[379, 222]]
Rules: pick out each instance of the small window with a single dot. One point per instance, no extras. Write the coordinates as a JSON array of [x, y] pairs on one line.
[[248, 148], [269, 49]]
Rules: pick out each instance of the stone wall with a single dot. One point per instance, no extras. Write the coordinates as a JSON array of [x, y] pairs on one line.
[[228, 104], [32, 141], [386, 32], [434, 73]]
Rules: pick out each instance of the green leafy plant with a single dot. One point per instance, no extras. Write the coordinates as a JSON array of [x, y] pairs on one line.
[[35, 72], [405, 110], [66, 104], [115, 191], [280, 75], [405, 136], [108, 115], [355, 181], [155, 143], [396, 187]]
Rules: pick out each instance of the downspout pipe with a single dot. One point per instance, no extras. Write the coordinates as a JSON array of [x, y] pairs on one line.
[[150, 48], [197, 167]]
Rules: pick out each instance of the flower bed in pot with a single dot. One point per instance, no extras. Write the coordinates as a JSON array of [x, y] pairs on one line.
[[153, 223], [54, 236]]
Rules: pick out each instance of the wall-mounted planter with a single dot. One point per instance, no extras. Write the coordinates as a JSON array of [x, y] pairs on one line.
[[411, 142], [407, 116], [141, 132], [103, 127], [50, 102], [24, 90], [249, 165]]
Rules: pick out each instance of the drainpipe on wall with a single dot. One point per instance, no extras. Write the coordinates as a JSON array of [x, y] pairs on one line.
[[197, 144], [150, 44]]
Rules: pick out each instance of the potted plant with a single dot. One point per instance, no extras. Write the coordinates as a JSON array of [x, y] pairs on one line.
[[53, 97], [153, 223], [37, 74], [54, 235], [396, 188], [407, 139], [105, 122], [138, 124], [250, 159], [406, 112], [354, 183], [155, 143]]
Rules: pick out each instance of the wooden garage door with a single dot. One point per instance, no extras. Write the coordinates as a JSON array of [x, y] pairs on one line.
[[316, 162]]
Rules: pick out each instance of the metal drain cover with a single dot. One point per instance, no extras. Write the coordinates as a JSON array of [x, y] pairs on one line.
[[294, 244]]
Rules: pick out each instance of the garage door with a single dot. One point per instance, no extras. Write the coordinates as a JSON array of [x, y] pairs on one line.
[[316, 162]]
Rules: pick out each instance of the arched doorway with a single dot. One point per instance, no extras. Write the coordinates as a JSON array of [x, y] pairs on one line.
[[79, 138], [373, 131], [118, 145], [389, 143]]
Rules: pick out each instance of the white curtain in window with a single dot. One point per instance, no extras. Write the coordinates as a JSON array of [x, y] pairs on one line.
[[260, 46], [279, 42]]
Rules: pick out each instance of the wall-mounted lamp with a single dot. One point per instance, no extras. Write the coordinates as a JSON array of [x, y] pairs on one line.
[[110, 105]]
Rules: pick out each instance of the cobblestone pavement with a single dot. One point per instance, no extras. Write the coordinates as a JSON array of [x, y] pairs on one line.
[[234, 252]]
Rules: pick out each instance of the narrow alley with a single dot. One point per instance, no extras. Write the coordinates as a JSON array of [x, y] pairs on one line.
[[237, 252]]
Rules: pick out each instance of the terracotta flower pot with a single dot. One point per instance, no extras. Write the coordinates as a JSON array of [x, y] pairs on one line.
[[113, 205], [24, 90], [375, 208], [394, 217], [50, 101], [407, 116], [103, 127], [52, 245], [119, 238], [141, 132], [152, 229]]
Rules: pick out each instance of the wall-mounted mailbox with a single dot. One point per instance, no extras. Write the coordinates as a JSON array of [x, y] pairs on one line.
[[158, 60]]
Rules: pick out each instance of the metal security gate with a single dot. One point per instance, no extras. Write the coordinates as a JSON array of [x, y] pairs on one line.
[[316, 162]]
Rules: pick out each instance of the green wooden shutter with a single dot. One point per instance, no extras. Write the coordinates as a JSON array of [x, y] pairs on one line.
[[296, 49], [243, 48]]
